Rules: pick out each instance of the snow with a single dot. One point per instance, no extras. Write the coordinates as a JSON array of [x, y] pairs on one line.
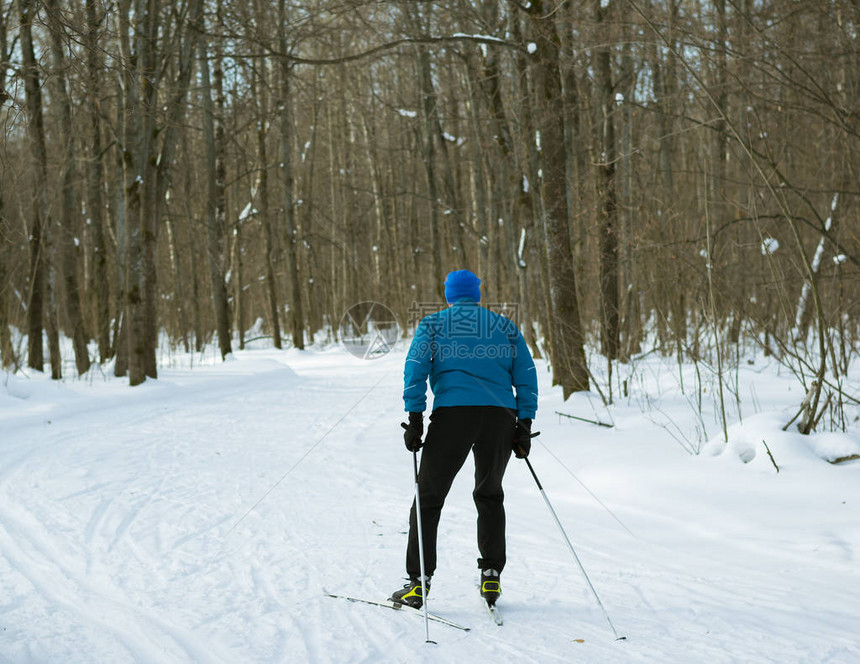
[[769, 245], [815, 266], [197, 518], [246, 212], [834, 447], [521, 247], [462, 35]]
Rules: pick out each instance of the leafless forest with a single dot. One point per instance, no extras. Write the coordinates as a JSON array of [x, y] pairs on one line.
[[672, 176]]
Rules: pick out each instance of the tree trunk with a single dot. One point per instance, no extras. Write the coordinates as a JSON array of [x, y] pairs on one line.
[[39, 220], [631, 325], [269, 234], [240, 304], [671, 295], [147, 168], [804, 312], [260, 92], [313, 294], [530, 195], [187, 45], [179, 289], [296, 310], [287, 129], [379, 224], [568, 354], [428, 113], [67, 231], [215, 221], [196, 297], [150, 212], [95, 183], [514, 179], [53, 319], [119, 195], [7, 354], [478, 223], [139, 82], [607, 213]]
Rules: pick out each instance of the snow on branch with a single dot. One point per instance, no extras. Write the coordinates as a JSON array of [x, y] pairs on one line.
[[406, 41]]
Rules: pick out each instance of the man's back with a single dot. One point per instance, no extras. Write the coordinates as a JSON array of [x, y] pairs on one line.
[[472, 357]]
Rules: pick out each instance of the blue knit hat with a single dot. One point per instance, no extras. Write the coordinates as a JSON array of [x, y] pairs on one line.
[[462, 284]]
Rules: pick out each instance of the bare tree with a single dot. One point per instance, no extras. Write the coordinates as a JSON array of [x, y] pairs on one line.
[[568, 354], [216, 224], [436, 136], [68, 223], [7, 355], [95, 178], [41, 272], [607, 215], [260, 92], [287, 128]]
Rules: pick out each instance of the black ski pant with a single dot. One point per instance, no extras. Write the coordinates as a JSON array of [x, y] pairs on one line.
[[454, 430]]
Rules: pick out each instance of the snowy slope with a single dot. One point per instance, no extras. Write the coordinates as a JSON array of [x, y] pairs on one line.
[[198, 518]]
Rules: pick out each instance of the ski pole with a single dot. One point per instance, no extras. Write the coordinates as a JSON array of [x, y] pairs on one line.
[[573, 551], [421, 550]]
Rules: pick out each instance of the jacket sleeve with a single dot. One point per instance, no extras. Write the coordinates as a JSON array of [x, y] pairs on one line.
[[524, 377], [419, 360]]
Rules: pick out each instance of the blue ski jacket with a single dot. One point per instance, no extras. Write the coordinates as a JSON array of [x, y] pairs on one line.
[[472, 357]]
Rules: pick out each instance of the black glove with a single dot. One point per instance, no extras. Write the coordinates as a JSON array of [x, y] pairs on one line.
[[413, 431], [522, 438]]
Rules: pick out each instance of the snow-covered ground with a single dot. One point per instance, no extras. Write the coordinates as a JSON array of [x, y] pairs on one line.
[[198, 518]]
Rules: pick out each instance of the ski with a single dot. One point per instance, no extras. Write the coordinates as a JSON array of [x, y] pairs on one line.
[[388, 604], [494, 612]]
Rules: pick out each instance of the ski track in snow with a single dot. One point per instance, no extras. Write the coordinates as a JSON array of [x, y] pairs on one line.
[[170, 523]]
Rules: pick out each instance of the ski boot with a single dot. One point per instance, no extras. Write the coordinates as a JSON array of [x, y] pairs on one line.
[[491, 586], [413, 593]]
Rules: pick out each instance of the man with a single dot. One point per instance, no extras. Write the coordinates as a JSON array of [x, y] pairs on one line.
[[484, 399]]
